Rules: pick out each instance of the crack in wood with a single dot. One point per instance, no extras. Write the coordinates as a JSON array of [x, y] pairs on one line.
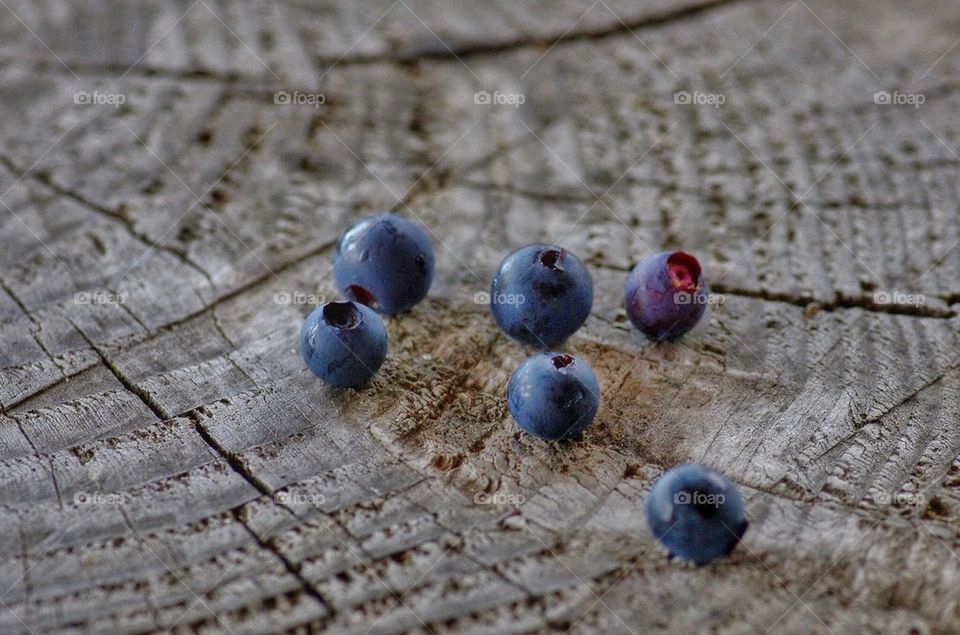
[[840, 301], [148, 400], [46, 180], [35, 333], [466, 50]]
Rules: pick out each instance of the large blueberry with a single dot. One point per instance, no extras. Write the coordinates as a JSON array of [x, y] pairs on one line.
[[696, 513], [343, 343], [541, 295], [553, 396], [385, 262], [665, 295]]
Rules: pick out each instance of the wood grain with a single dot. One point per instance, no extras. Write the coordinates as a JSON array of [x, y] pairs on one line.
[[167, 463]]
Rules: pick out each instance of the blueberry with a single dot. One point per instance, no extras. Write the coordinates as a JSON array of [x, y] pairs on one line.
[[665, 295], [343, 343], [541, 295], [696, 513], [553, 396], [384, 262]]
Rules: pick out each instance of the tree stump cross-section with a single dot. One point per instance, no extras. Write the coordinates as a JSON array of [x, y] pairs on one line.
[[174, 177]]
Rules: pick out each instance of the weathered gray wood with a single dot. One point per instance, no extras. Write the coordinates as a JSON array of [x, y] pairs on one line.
[[166, 462]]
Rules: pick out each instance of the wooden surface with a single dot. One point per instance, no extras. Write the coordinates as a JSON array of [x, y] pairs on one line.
[[166, 462]]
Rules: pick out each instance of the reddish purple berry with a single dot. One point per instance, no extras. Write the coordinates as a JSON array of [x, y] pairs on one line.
[[666, 295]]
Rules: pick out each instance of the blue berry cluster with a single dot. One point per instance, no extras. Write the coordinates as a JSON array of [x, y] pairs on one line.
[[540, 295], [382, 264]]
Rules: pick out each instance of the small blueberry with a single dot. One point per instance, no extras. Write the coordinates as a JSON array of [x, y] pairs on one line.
[[696, 513], [385, 262], [553, 396], [343, 343], [541, 295]]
